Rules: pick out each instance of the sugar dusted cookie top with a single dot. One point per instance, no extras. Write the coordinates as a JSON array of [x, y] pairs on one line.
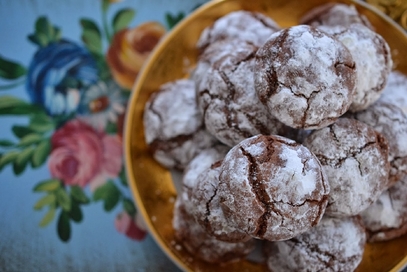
[[272, 188], [335, 244], [355, 159], [305, 77], [247, 26], [334, 14], [173, 125]]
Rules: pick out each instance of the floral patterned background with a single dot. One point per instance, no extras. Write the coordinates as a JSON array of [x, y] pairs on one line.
[[66, 71]]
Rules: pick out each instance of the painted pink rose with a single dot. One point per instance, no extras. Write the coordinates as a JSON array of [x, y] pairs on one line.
[[132, 228], [81, 155]]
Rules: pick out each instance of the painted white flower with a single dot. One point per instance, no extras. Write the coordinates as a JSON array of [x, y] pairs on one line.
[[101, 103]]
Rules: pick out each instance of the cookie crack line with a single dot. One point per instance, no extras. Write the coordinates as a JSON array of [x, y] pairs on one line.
[[231, 94], [260, 193], [208, 209], [337, 162]]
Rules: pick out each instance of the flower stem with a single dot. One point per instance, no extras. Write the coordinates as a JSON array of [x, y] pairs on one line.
[[105, 6]]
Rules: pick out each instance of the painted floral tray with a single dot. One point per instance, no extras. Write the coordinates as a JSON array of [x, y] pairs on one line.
[[66, 71]]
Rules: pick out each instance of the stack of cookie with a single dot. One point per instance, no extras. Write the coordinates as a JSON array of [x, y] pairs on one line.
[[286, 136]]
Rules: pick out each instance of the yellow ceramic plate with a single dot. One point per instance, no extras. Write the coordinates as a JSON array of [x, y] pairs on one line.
[[174, 58]]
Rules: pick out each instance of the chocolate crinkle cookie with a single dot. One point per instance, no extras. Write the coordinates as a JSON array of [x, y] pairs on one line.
[[207, 210], [355, 159], [196, 166], [272, 188], [334, 14], [391, 122], [334, 245], [395, 91], [202, 245], [173, 126], [226, 97], [372, 57], [305, 77], [246, 26], [386, 219]]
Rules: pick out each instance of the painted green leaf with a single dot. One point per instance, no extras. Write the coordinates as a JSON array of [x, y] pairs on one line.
[[79, 195], [122, 19], [6, 143], [64, 226], [91, 25], [129, 207], [10, 69], [42, 25], [123, 177], [21, 131], [10, 105], [45, 201], [41, 153], [8, 158], [30, 139], [22, 159], [47, 185], [172, 20], [109, 194], [76, 213], [48, 217], [41, 123], [63, 199], [92, 40]]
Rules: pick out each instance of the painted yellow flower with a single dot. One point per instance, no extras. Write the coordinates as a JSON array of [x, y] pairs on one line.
[[130, 49]]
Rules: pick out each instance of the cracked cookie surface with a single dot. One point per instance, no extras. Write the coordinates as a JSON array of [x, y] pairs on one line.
[[173, 125], [355, 159], [335, 244], [386, 219], [240, 25], [372, 57], [207, 210], [202, 245], [272, 188], [226, 97], [305, 77]]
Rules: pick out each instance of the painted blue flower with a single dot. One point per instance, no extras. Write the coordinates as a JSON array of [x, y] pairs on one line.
[[58, 74]]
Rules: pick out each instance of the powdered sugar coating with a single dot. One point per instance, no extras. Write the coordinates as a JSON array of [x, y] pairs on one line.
[[197, 165], [305, 77], [355, 160], [203, 246], [391, 122], [335, 244], [206, 207], [395, 91], [372, 56], [387, 217], [334, 14], [272, 188], [246, 26], [173, 125], [226, 95]]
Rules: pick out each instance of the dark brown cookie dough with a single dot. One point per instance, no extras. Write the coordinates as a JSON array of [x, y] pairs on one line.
[[203, 246], [272, 188], [207, 210], [226, 97], [305, 77], [334, 245], [173, 126], [334, 14], [386, 219], [391, 122], [355, 159], [246, 26]]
